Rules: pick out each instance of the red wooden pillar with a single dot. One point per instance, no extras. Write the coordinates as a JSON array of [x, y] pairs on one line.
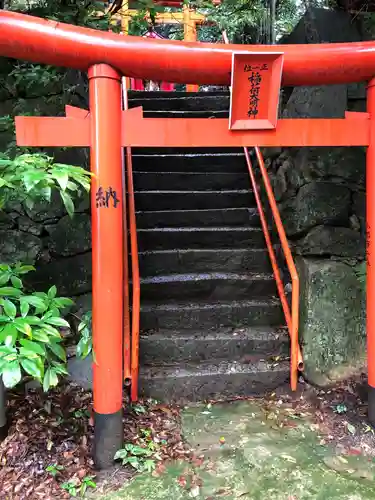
[[107, 260], [370, 217]]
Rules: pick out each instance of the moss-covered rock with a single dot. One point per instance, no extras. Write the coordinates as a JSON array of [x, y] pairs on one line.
[[331, 240], [332, 320], [316, 203], [17, 246]]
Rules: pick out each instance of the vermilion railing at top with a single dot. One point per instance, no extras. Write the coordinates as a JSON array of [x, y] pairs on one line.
[[291, 316]]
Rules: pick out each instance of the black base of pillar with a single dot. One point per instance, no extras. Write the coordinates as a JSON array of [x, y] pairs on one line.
[[4, 431], [371, 405], [4, 427], [108, 438]]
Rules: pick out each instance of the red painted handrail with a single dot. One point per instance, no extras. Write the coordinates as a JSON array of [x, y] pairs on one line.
[[136, 288], [291, 317], [39, 40]]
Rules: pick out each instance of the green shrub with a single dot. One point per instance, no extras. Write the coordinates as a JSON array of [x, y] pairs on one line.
[[30, 335]]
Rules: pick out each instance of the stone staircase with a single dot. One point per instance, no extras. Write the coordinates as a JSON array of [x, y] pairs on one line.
[[210, 319]]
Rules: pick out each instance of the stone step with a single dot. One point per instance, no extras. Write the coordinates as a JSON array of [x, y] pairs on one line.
[[200, 315], [209, 151], [168, 238], [190, 181], [169, 346], [177, 95], [189, 200], [195, 102], [204, 381], [207, 287], [163, 161], [198, 218], [233, 260], [203, 316]]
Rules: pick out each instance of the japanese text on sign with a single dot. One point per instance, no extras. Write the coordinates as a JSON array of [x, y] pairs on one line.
[[255, 88], [252, 67], [255, 80], [106, 198]]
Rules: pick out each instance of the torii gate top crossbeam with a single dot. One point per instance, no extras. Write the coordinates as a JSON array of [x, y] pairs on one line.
[[50, 42]]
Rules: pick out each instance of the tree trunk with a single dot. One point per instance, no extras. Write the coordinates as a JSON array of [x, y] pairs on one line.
[[273, 21]]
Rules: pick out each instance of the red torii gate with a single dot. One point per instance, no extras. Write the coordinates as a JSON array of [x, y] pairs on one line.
[[106, 129]]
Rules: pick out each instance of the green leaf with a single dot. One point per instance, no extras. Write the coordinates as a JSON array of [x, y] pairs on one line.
[[68, 203], [9, 335], [32, 320], [120, 454], [50, 379], [51, 331], [60, 368], [9, 291], [29, 203], [11, 374], [32, 178], [8, 352], [5, 277], [33, 367], [57, 322], [25, 306], [37, 302], [22, 326], [62, 302], [40, 336], [9, 308], [351, 428], [33, 346], [16, 282], [61, 177], [52, 292], [84, 348], [24, 269], [58, 350]]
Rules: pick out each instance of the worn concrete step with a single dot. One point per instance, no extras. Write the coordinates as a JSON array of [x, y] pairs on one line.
[[183, 150], [208, 287], [205, 381], [148, 160], [200, 315], [168, 238], [190, 181], [198, 218], [160, 94], [233, 260], [169, 346], [195, 102], [189, 200]]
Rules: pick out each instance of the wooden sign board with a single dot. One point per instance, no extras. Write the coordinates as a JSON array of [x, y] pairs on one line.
[[256, 80]]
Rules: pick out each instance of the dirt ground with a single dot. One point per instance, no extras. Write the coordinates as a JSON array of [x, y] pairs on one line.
[[47, 453]]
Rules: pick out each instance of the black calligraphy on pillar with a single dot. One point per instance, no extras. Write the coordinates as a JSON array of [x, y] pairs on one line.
[[106, 198], [368, 236]]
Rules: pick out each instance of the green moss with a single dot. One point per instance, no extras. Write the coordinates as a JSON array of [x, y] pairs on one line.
[[258, 460]]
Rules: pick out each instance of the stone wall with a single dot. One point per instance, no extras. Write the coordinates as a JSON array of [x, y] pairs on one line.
[[321, 197], [46, 236]]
